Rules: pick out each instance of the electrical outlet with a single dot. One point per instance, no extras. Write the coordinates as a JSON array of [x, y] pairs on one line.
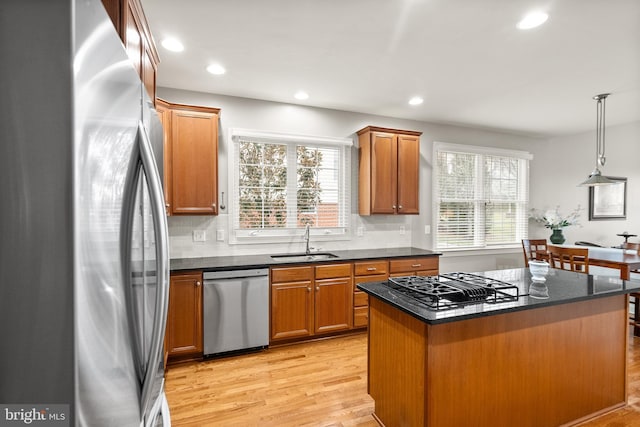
[[360, 231], [427, 229], [402, 230], [199, 235], [220, 235]]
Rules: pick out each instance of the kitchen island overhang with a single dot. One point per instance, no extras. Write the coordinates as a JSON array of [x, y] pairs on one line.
[[530, 362]]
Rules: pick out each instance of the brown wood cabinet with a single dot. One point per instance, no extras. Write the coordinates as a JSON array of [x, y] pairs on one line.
[[164, 114], [366, 271], [183, 337], [131, 24], [191, 158], [333, 298], [311, 300], [291, 302], [421, 266], [388, 171]]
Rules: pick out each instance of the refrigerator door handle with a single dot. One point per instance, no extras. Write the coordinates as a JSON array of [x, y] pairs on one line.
[[162, 259]]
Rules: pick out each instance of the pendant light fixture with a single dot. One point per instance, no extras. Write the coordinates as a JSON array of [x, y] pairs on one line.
[[596, 177]]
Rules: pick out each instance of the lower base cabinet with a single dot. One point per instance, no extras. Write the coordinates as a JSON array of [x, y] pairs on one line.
[[292, 307], [183, 337], [333, 298], [306, 301], [310, 300], [366, 271]]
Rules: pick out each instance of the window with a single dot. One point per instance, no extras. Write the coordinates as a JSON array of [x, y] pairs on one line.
[[481, 197], [282, 183]]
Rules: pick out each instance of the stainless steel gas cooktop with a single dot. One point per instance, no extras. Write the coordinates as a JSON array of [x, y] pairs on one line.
[[454, 290]]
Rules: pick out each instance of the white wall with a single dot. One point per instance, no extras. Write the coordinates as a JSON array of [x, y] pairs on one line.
[[563, 162], [380, 231]]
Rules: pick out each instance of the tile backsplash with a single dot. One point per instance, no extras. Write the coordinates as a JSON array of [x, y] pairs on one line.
[[377, 232]]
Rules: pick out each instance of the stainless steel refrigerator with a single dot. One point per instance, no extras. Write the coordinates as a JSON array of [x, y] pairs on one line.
[[83, 239]]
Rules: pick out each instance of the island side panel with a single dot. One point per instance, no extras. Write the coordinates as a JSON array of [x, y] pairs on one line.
[[548, 366], [397, 362]]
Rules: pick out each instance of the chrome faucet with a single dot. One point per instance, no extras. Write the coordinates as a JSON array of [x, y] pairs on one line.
[[307, 251]]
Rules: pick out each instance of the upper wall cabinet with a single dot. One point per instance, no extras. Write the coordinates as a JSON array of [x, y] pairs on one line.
[[388, 174], [191, 158], [131, 24], [164, 113]]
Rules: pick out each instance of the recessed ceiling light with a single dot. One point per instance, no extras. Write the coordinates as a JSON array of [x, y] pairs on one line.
[[416, 100], [172, 44], [216, 69], [301, 95], [532, 20]]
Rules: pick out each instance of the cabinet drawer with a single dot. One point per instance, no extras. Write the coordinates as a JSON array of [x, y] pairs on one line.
[[374, 278], [413, 264], [333, 270], [360, 317], [370, 267], [291, 274], [360, 299]]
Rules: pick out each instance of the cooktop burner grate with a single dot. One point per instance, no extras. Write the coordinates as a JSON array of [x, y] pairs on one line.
[[454, 290]]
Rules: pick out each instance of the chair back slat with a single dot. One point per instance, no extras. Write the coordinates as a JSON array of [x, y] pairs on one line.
[[534, 249]]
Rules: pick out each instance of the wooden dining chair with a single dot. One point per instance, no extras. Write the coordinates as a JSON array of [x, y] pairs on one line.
[[631, 246], [634, 318], [534, 249], [573, 259]]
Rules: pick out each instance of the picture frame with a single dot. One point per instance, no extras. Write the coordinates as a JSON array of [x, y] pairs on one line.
[[608, 201]]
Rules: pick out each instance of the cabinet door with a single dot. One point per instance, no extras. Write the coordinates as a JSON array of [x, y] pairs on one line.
[[194, 162], [164, 113], [133, 39], [334, 305], [131, 24], [148, 71], [184, 319], [291, 310], [383, 173], [408, 166]]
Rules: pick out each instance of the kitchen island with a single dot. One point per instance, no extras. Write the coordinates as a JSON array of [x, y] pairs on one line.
[[523, 362]]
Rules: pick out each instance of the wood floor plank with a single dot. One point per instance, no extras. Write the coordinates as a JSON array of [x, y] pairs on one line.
[[321, 383]]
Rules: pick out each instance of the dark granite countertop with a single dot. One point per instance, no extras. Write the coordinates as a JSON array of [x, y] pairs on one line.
[[261, 261], [563, 287]]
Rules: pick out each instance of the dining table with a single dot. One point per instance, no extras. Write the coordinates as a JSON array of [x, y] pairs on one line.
[[623, 260]]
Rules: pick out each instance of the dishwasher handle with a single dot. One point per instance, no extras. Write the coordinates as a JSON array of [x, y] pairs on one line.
[[235, 274]]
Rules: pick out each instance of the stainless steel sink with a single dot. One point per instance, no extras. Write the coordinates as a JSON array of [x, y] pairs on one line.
[[301, 257]]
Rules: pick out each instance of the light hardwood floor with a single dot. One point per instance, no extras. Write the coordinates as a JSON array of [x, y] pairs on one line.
[[321, 383]]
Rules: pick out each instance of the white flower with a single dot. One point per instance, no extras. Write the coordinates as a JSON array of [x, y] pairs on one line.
[[554, 220]]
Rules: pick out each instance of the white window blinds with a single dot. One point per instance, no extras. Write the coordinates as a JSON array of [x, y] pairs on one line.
[[481, 197], [282, 183]]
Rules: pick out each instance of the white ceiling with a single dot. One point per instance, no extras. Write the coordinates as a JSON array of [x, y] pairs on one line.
[[464, 57]]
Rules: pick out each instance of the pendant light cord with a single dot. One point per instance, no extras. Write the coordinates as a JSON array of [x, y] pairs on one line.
[[600, 127]]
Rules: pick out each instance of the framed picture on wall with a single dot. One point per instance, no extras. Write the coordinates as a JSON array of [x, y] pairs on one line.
[[608, 201]]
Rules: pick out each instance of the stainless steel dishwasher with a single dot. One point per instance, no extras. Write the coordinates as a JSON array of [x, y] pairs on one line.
[[236, 310]]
